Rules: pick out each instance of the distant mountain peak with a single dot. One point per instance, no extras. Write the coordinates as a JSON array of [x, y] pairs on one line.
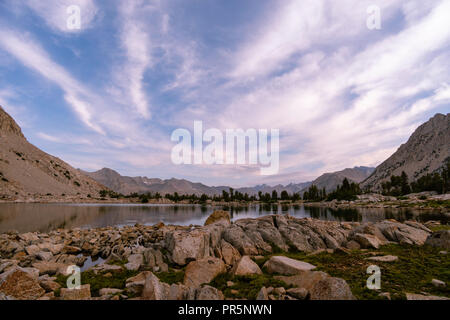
[[424, 152]]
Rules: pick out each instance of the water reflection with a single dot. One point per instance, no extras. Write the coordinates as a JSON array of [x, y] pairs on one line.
[[45, 217]]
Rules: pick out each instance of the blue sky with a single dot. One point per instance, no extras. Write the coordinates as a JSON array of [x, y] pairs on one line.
[[111, 93]]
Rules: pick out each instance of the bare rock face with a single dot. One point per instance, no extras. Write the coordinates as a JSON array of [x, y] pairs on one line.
[[218, 215], [287, 266], [424, 152], [28, 170], [20, 285], [246, 266], [439, 239], [203, 271]]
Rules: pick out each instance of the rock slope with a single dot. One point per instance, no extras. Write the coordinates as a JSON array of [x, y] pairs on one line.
[[27, 172], [425, 152]]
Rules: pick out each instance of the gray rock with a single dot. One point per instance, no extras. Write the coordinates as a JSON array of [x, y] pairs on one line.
[[438, 283], [263, 294], [387, 258], [287, 266], [246, 266], [209, 293], [203, 271], [414, 296], [298, 293]]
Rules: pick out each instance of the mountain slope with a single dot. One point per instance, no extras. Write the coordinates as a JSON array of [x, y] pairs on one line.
[[26, 171], [330, 181], [127, 185], [423, 153]]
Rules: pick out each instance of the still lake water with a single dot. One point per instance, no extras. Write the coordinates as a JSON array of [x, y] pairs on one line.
[[46, 217]]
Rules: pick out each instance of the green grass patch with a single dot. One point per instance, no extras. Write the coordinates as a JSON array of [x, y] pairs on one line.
[[171, 277], [412, 272], [99, 281], [439, 228]]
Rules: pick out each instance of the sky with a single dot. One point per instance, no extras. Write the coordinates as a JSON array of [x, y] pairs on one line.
[[110, 93]]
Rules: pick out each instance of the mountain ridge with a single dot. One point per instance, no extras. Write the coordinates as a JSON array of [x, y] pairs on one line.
[[424, 152], [26, 171]]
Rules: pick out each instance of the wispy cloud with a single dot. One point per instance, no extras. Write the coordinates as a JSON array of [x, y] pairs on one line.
[[55, 13]]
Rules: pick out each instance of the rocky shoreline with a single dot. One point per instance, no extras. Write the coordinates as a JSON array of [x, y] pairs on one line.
[[178, 262]]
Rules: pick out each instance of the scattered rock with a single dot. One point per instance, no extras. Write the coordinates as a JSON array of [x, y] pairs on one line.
[[32, 250], [287, 266], [298, 293], [49, 285], [209, 293], [19, 284], [84, 293], [414, 296], [320, 285], [263, 294], [109, 291], [438, 283], [387, 258], [246, 266]]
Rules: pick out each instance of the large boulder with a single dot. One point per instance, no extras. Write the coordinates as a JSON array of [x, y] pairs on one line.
[[320, 285], [186, 246], [209, 293], [287, 266], [439, 239], [409, 232], [134, 262], [245, 267], [367, 241], [20, 284], [203, 271], [219, 215]]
